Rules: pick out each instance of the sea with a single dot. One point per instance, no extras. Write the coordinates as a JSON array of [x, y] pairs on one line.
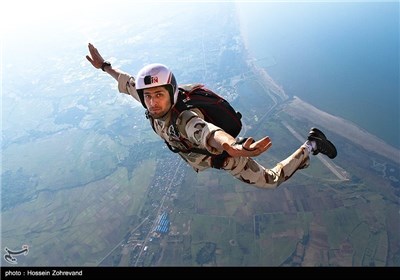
[[342, 57]]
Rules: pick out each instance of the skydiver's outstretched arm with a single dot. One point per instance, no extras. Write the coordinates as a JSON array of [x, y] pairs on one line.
[[97, 60]]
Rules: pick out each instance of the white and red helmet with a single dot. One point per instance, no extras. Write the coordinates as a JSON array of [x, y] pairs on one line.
[[155, 75]]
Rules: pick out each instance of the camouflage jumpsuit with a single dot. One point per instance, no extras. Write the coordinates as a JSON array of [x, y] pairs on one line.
[[192, 127]]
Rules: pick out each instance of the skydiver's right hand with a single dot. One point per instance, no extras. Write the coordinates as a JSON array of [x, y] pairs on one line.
[[95, 57]]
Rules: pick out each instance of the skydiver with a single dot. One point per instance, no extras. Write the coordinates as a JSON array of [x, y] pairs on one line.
[[159, 95]]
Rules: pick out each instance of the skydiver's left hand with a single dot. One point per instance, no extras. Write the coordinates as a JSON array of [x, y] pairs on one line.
[[249, 148]]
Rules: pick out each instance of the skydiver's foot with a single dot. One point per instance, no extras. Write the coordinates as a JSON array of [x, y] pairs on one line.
[[317, 143]]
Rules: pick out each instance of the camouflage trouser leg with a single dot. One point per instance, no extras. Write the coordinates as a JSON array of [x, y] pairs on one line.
[[251, 172]]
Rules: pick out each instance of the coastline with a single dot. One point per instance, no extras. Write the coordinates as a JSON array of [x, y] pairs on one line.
[[300, 109], [303, 110], [345, 128], [339, 90]]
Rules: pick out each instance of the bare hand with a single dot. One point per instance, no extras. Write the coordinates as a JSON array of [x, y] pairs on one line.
[[95, 58], [249, 148]]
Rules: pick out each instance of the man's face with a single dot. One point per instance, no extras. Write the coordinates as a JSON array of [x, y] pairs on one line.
[[157, 101]]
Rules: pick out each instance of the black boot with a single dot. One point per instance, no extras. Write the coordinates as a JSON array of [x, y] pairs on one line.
[[324, 146]]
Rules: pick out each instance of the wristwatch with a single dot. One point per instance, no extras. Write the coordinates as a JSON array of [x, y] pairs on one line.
[[105, 63]]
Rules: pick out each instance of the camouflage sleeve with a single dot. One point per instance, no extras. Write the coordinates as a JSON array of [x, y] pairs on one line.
[[193, 127], [126, 84]]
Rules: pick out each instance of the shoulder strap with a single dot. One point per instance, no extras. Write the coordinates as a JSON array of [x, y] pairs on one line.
[[150, 118]]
